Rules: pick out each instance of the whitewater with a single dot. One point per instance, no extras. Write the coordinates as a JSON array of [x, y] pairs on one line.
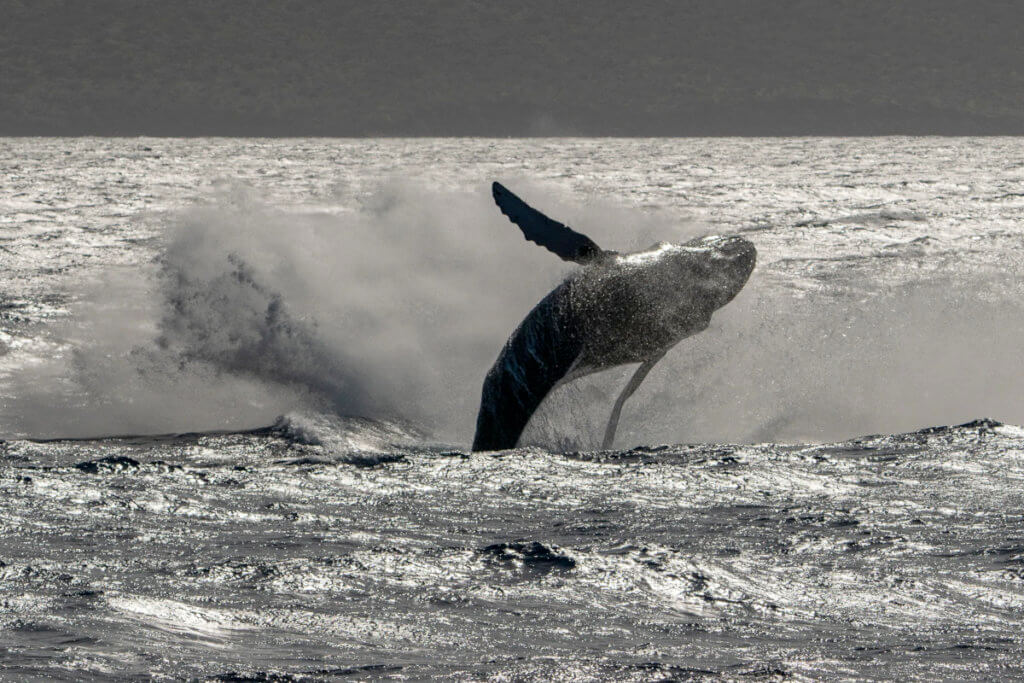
[[239, 377]]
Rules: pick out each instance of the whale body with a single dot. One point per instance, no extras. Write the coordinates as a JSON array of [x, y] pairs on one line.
[[618, 309]]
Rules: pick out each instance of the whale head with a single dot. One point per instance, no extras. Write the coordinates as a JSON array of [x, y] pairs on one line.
[[677, 286], [703, 274], [731, 260]]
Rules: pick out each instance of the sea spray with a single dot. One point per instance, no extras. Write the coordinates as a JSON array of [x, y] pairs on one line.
[[392, 302], [389, 305], [822, 365]]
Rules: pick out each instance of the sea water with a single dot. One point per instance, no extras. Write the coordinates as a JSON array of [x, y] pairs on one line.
[[238, 379]]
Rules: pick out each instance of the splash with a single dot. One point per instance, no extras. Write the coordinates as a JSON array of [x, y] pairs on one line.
[[777, 366], [389, 304], [392, 303]]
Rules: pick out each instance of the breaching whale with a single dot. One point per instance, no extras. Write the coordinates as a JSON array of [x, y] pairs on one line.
[[617, 309]]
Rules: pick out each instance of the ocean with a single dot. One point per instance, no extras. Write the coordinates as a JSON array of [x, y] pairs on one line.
[[239, 379]]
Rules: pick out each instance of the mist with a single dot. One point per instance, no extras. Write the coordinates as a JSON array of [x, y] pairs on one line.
[[391, 304], [778, 367]]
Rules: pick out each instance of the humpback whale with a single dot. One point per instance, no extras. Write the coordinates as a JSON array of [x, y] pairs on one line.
[[618, 309]]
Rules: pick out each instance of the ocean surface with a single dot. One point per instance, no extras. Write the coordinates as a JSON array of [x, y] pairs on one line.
[[239, 377]]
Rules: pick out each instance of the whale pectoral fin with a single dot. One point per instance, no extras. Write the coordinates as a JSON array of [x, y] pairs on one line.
[[627, 391], [556, 237]]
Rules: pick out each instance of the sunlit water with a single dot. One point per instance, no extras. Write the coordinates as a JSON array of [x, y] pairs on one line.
[[206, 287]]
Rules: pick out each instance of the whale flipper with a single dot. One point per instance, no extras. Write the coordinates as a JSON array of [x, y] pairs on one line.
[[634, 383], [556, 237]]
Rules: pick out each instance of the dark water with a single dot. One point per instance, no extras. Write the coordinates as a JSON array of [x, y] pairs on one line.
[[284, 553]]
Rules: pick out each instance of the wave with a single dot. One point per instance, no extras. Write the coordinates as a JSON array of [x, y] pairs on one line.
[[310, 438], [881, 217]]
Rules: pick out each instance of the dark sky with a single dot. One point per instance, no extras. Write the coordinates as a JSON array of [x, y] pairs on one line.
[[459, 67]]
